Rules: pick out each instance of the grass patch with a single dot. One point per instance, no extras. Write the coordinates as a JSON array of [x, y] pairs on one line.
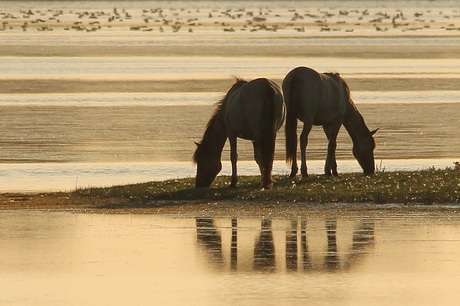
[[429, 186]]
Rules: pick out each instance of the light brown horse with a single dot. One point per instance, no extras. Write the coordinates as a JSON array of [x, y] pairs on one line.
[[324, 99], [250, 110]]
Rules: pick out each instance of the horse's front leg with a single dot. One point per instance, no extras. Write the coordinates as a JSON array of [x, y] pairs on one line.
[[303, 148], [234, 159], [330, 168]]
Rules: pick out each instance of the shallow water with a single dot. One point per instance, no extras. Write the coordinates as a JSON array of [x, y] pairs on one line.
[[397, 259], [85, 131], [44, 177], [67, 142]]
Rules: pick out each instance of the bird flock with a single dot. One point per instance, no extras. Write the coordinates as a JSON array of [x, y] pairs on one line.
[[173, 20]]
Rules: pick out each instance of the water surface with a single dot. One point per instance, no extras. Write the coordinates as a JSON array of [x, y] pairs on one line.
[[398, 259]]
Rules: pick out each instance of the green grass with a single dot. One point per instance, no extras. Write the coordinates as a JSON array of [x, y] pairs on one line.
[[422, 187]]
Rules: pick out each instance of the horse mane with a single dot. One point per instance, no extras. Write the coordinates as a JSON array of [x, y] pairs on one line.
[[336, 76], [207, 131], [217, 108], [351, 107]]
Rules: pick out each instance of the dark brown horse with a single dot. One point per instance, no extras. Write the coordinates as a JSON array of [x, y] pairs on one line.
[[324, 99], [251, 110]]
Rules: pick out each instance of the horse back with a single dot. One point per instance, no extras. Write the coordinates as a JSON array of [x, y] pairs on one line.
[[314, 97], [302, 94], [249, 107]]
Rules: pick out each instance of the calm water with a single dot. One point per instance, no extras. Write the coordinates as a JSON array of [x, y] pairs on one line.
[[74, 259]]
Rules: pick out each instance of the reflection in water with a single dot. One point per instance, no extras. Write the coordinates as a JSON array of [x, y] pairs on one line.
[[331, 261], [303, 238], [300, 254], [363, 239], [234, 245], [264, 250], [209, 237], [291, 246], [47, 258]]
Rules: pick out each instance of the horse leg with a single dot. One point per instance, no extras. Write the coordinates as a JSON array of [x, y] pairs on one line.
[[294, 168], [258, 159], [331, 131], [265, 163], [234, 159], [303, 148]]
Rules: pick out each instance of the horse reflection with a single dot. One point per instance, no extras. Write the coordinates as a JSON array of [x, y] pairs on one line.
[[298, 255], [363, 239], [264, 250], [234, 245], [331, 261], [209, 237], [291, 246]]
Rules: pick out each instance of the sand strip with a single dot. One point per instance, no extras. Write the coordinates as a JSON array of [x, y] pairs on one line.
[[29, 86], [345, 51]]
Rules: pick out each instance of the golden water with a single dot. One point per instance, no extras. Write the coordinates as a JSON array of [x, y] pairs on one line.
[[74, 259]]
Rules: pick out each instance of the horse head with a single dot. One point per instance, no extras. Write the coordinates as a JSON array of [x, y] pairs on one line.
[[363, 151], [207, 167]]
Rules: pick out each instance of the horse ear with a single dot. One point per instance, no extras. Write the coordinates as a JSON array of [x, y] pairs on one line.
[[374, 131], [197, 143]]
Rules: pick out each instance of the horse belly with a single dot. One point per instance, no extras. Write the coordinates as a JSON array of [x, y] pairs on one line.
[[238, 127], [325, 118]]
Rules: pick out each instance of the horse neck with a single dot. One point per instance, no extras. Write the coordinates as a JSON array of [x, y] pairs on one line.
[[215, 135], [354, 123]]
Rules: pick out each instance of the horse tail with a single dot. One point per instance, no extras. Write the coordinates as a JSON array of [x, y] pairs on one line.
[[290, 129], [269, 129]]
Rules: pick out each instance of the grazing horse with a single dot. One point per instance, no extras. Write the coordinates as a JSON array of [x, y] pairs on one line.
[[324, 99], [250, 110]]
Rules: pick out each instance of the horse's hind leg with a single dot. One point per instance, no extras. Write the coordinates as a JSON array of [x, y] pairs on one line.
[[294, 168], [258, 158], [234, 159], [303, 148], [264, 159]]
